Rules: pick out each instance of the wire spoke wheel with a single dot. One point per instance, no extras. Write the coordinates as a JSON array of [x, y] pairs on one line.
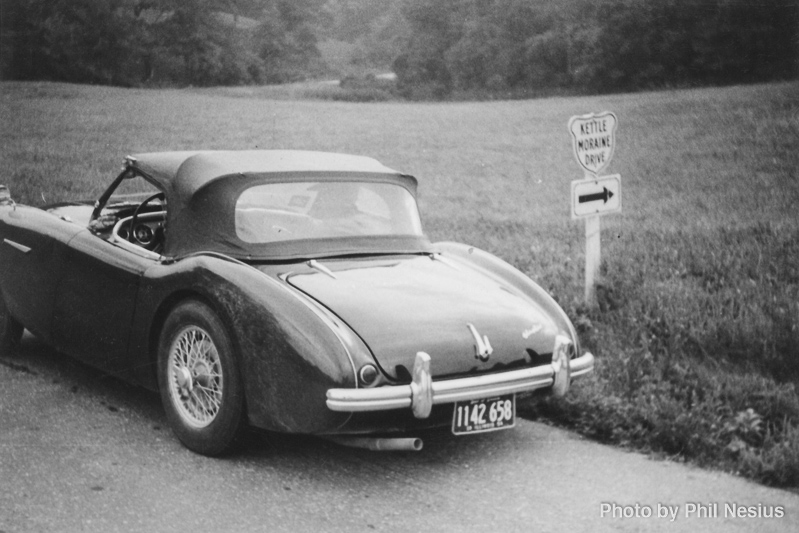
[[199, 380], [196, 380]]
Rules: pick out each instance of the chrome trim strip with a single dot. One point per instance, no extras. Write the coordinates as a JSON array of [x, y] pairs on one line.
[[445, 260], [400, 396], [21, 247], [313, 263]]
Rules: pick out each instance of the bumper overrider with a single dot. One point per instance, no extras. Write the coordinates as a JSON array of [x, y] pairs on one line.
[[422, 393]]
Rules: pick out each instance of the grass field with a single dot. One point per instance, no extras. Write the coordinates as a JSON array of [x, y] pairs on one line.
[[697, 333]]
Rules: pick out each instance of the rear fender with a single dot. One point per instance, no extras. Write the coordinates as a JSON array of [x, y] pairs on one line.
[[289, 355]]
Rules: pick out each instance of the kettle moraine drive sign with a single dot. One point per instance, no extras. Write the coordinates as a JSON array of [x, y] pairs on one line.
[[594, 139]]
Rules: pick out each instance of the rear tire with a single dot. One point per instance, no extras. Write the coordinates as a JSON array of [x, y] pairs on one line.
[[199, 380], [10, 330]]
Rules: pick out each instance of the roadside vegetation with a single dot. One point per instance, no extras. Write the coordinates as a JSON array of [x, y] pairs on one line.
[[697, 329]]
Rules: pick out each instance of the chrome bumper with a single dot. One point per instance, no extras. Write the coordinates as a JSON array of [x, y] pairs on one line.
[[422, 393]]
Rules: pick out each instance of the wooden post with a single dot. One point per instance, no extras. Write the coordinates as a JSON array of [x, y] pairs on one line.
[[592, 253], [592, 258]]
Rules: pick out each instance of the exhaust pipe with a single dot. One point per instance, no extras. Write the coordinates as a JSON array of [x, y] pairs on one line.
[[369, 443]]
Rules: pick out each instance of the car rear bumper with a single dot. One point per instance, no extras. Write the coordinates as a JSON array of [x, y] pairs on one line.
[[422, 393]]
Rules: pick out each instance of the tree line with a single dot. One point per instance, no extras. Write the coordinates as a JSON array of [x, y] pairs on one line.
[[436, 47], [162, 42], [595, 45]]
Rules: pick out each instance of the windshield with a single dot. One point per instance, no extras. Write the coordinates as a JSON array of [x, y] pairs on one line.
[[316, 210], [132, 191]]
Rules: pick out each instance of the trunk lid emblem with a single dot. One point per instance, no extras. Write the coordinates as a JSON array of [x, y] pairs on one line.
[[482, 346], [526, 334]]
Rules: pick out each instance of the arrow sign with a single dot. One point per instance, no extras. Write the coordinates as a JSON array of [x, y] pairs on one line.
[[598, 196], [604, 196]]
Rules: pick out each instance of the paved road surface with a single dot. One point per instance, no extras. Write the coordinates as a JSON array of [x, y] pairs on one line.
[[83, 452]]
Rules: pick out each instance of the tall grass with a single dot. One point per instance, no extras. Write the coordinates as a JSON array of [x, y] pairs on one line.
[[697, 331]]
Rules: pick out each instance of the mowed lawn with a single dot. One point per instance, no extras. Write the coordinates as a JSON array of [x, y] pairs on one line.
[[700, 158], [697, 331]]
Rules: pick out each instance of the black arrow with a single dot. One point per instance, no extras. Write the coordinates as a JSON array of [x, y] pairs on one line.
[[605, 195]]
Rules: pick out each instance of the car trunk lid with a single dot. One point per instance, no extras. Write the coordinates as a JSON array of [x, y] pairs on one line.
[[467, 322]]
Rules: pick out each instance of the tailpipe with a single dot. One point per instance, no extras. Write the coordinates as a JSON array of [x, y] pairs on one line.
[[411, 444]]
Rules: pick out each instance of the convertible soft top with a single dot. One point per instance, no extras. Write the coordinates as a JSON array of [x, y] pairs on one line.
[[201, 188], [186, 172]]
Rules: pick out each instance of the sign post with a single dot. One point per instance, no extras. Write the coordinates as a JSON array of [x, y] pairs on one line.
[[594, 140]]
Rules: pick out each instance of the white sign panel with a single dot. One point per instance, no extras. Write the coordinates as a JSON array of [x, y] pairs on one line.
[[594, 138], [598, 196]]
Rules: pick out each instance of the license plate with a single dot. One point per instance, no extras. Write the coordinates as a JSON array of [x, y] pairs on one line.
[[486, 414]]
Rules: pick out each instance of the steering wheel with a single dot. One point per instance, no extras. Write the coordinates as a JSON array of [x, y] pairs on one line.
[[132, 232]]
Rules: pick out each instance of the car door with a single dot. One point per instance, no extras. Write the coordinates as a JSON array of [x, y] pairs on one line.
[[32, 242], [95, 301]]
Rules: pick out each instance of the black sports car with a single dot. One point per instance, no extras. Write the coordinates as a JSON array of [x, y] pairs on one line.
[[292, 291]]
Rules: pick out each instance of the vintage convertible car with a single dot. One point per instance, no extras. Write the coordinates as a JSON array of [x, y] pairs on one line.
[[288, 290]]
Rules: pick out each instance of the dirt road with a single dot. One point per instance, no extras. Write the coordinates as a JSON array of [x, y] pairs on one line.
[[83, 452]]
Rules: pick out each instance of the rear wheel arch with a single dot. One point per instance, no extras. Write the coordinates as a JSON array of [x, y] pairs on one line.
[[166, 307], [195, 345]]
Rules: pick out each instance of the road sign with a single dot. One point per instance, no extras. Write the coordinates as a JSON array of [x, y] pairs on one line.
[[596, 196], [593, 140]]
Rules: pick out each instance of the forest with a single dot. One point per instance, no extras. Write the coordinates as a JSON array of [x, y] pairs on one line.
[[437, 48]]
